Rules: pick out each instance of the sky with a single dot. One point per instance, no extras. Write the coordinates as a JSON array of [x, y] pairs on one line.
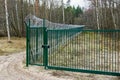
[[82, 3]]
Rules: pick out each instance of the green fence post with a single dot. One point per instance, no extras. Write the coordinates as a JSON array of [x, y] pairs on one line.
[[27, 43], [45, 46]]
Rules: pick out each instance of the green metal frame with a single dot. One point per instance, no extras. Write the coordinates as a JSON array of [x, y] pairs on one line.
[[45, 49], [84, 71], [37, 43], [109, 30], [27, 43]]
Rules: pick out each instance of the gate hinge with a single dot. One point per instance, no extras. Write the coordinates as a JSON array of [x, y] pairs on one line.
[[45, 46]]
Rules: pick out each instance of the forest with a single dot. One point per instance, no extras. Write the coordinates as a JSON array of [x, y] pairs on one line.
[[101, 14]]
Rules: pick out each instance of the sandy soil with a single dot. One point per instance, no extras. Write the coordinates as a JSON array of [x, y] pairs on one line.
[[12, 67]]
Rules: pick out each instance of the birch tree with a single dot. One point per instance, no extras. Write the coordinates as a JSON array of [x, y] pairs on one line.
[[37, 7], [97, 13], [112, 13], [18, 24], [63, 11], [7, 23]]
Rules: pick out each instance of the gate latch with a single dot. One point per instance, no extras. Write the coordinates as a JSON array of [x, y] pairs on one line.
[[45, 46]]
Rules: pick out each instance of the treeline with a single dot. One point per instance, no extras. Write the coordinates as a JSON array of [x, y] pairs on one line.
[[51, 10], [103, 14]]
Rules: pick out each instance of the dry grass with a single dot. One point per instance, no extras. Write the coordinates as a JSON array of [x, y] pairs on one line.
[[16, 45]]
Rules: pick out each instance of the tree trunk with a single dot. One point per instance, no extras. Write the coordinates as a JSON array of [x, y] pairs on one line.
[[113, 16], [22, 17], [37, 7], [7, 23], [97, 14], [63, 12], [18, 24]]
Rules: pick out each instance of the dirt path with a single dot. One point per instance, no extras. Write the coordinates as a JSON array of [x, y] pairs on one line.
[[12, 68]]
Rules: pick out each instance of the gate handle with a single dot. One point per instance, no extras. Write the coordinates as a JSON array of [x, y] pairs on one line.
[[45, 46]]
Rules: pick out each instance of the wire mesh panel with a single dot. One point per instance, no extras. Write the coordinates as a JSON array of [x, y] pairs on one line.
[[96, 51], [35, 46], [58, 38], [72, 48]]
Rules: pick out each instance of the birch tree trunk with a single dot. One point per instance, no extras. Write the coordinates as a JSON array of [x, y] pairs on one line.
[[51, 7], [97, 14], [37, 7], [63, 12], [22, 16], [113, 16], [7, 23], [34, 7], [18, 24]]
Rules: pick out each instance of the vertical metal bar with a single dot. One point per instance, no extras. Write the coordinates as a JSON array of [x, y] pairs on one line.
[[95, 49], [104, 54], [90, 62], [78, 48], [115, 40], [85, 49], [51, 43], [36, 44], [45, 38], [111, 50], [118, 51], [27, 43], [33, 46], [89, 49], [96, 34], [100, 52], [83, 36], [108, 53], [27, 40], [41, 44]]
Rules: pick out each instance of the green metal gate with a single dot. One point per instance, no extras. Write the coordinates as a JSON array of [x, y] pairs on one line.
[[74, 49]]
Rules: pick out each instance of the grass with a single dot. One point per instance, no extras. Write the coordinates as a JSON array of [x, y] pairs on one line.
[[16, 45]]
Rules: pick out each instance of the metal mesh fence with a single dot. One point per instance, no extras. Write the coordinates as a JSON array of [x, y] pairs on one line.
[[88, 50], [72, 48], [56, 34]]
